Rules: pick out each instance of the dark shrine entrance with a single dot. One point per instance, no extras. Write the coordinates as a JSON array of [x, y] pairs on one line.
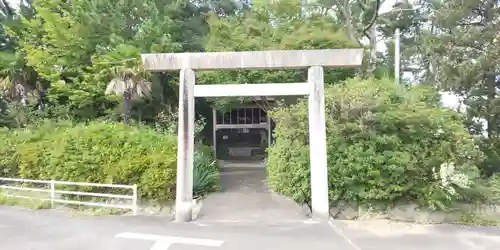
[[242, 133]]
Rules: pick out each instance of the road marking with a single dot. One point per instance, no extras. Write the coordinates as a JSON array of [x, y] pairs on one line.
[[164, 242], [339, 232], [161, 245]]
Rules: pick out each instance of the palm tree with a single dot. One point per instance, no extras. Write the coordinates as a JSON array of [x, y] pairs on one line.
[[130, 86]]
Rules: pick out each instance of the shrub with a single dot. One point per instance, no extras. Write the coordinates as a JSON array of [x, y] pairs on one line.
[[493, 184], [491, 148], [385, 144], [8, 156], [103, 152], [205, 150], [14, 140], [205, 172], [100, 152]]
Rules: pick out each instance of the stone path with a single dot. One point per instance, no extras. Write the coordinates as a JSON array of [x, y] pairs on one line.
[[245, 197]]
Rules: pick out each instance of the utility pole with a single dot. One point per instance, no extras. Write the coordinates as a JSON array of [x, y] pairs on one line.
[[397, 34], [397, 55]]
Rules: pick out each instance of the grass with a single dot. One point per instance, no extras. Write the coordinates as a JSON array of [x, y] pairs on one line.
[[38, 200], [473, 219], [32, 203], [97, 211], [38, 203]]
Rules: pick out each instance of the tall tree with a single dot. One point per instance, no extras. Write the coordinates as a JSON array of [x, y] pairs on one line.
[[463, 50], [274, 25], [130, 79], [64, 38], [360, 19]]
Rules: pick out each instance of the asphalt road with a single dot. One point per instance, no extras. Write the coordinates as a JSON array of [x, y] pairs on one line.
[[23, 229]]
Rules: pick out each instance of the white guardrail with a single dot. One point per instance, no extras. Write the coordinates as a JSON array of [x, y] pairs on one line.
[[50, 187]]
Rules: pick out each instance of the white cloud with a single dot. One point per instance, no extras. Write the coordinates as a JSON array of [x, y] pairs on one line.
[[451, 100]]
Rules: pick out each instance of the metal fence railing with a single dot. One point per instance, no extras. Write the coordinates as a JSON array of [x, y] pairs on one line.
[[54, 194]]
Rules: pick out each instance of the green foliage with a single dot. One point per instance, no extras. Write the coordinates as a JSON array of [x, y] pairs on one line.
[[24, 140], [103, 152], [205, 172], [386, 143], [32, 203], [490, 148], [72, 39], [8, 157], [205, 150], [100, 152], [460, 54], [494, 188], [73, 53], [272, 26]]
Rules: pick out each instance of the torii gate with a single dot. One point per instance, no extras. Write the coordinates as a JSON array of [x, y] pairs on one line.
[[314, 60]]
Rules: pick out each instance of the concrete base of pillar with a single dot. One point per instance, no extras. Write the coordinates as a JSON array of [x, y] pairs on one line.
[[184, 212]]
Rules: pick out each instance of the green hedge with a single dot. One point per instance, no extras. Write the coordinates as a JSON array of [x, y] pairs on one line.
[[8, 157], [103, 152], [98, 152], [386, 144]]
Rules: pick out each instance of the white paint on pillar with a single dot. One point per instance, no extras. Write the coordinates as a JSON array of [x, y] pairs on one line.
[[317, 144], [185, 147], [214, 131], [268, 130]]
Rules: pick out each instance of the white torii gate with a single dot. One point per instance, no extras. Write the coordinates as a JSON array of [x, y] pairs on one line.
[[314, 60]]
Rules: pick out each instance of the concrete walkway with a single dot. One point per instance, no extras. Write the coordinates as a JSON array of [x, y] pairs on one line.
[[245, 197], [24, 229]]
